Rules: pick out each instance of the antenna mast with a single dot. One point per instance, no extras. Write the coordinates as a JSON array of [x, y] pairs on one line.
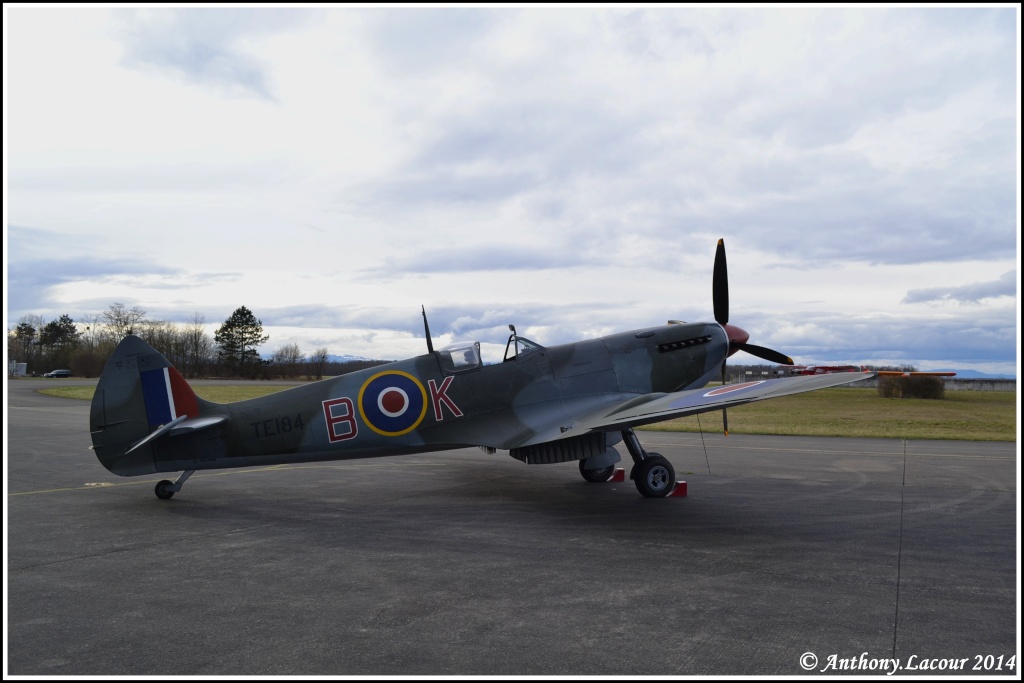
[[426, 330]]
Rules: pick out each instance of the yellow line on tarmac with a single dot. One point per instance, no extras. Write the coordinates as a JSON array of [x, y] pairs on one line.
[[90, 486], [104, 485]]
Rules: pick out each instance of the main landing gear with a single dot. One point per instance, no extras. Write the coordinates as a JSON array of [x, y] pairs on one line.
[[166, 488], [652, 473], [597, 476]]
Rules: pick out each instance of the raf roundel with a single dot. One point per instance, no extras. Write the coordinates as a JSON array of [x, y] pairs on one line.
[[392, 403]]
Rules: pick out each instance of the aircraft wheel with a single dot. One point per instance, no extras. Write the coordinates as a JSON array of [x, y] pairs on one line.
[[654, 476], [597, 476], [163, 489]]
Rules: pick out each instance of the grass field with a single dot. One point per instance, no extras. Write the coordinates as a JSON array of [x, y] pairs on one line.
[[227, 393], [854, 412]]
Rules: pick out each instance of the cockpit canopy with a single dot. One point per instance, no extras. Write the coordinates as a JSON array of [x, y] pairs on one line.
[[460, 357]]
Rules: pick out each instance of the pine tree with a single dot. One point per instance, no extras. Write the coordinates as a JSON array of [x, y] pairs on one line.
[[238, 338]]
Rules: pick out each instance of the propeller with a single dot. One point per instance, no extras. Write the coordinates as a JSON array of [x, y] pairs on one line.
[[737, 336]]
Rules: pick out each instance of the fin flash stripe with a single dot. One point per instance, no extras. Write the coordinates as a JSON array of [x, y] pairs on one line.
[[167, 395]]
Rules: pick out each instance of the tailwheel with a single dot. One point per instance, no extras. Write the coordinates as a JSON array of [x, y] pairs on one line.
[[654, 476], [164, 489], [597, 476]]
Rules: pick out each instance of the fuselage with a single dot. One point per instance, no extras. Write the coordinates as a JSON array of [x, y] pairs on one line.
[[431, 402]]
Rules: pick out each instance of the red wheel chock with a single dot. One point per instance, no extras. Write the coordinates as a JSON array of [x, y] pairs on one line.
[[618, 475]]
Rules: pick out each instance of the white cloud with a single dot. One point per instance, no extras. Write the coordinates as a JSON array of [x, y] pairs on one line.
[[973, 293], [566, 170], [204, 45]]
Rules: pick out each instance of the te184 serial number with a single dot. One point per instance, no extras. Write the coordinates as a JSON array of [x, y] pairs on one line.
[[276, 426]]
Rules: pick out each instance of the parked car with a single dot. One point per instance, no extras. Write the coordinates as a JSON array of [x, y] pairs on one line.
[[58, 373]]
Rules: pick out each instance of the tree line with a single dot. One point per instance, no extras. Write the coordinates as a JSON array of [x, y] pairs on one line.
[[84, 346], [738, 372]]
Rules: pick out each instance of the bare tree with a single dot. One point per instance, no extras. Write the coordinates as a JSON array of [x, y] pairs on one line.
[[286, 359], [163, 336], [198, 346], [89, 326], [122, 321], [88, 359], [317, 363]]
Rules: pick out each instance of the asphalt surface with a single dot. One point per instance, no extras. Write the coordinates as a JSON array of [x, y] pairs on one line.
[[463, 563]]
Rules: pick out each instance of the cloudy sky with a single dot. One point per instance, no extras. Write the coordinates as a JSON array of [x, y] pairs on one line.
[[566, 170]]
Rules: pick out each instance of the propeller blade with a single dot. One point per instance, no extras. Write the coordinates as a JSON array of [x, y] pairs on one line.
[[762, 352], [720, 285]]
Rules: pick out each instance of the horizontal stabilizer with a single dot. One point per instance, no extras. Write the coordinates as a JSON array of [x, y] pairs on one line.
[[196, 424], [177, 426]]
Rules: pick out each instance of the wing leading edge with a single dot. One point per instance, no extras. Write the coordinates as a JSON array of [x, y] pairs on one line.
[[659, 407]]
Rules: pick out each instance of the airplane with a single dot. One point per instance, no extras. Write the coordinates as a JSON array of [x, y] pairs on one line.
[[544, 405]]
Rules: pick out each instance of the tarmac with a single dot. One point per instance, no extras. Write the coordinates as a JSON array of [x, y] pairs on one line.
[[789, 556]]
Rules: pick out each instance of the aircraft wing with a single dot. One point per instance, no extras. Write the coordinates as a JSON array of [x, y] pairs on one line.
[[658, 407]]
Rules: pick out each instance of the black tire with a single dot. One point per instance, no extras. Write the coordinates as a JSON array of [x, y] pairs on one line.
[[654, 477], [598, 476], [163, 489]]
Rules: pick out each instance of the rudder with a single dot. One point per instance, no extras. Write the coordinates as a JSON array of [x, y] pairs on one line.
[[139, 392]]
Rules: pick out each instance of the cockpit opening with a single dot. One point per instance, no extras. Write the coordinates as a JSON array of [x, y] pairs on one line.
[[519, 346], [460, 357]]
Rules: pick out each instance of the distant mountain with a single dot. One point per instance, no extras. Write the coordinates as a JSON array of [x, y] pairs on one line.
[[973, 374], [332, 358]]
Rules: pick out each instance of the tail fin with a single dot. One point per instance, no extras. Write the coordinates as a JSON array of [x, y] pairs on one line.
[[139, 399]]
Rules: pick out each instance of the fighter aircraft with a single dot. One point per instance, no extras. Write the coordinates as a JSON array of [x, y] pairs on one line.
[[571, 402]]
